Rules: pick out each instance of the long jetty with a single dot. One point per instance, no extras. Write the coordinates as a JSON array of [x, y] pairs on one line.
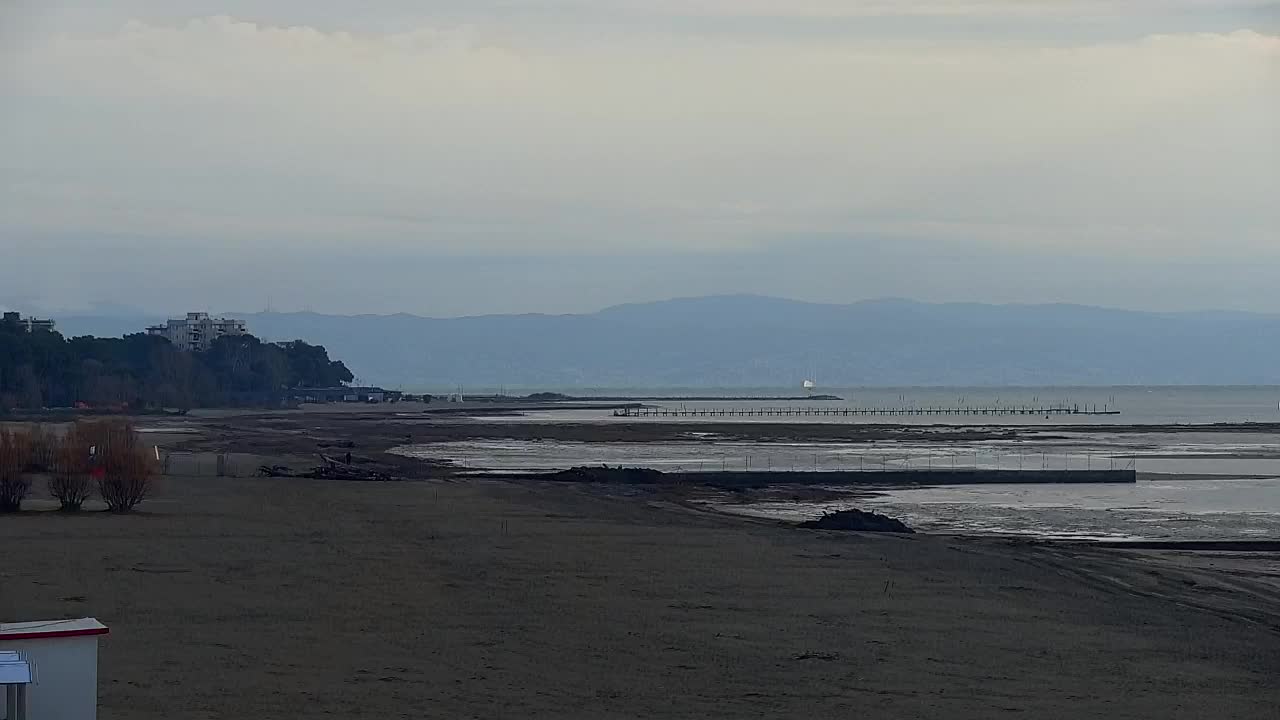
[[870, 478], [990, 410]]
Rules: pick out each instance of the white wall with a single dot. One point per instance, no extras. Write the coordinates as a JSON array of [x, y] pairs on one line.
[[65, 685]]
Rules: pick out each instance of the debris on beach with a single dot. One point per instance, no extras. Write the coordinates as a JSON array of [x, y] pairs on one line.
[[331, 469], [346, 472], [857, 521], [604, 473], [825, 656]]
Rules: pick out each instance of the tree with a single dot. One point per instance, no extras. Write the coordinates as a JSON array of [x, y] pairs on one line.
[[42, 448], [69, 478], [313, 368], [15, 455], [120, 463], [139, 370]]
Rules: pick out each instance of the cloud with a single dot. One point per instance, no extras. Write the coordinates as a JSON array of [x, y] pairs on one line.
[[303, 10], [480, 138]]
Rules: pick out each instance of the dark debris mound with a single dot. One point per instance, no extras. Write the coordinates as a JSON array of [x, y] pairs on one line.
[[604, 473], [857, 521], [330, 469]]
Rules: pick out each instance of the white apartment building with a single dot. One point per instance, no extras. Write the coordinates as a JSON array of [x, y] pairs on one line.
[[197, 331]]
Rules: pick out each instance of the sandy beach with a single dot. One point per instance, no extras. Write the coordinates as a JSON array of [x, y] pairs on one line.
[[284, 597]]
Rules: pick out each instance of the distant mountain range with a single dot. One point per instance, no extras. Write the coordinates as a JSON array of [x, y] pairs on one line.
[[752, 341]]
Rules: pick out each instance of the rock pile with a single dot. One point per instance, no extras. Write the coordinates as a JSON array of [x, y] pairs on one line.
[[857, 521]]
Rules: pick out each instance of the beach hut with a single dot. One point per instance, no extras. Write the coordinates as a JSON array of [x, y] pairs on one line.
[[15, 676], [61, 657]]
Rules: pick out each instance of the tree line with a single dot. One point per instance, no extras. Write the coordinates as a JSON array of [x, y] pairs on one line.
[[42, 369]]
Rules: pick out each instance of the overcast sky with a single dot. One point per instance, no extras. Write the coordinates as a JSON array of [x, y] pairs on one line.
[[466, 156]]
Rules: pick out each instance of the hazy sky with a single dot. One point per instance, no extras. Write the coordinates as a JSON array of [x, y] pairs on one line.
[[464, 156]]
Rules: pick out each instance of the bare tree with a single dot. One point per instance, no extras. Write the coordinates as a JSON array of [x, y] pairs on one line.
[[120, 463], [15, 455], [69, 479], [44, 448]]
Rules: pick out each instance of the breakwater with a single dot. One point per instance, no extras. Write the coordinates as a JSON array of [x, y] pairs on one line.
[[994, 411], [868, 478]]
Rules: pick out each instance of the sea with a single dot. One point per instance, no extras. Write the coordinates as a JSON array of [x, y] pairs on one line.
[[1196, 481], [1135, 404]]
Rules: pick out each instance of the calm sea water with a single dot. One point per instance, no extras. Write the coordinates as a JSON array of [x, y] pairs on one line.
[[1168, 508], [1194, 485], [1137, 405]]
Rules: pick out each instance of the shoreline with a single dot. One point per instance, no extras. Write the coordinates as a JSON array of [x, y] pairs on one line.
[[446, 598], [375, 435], [446, 595]]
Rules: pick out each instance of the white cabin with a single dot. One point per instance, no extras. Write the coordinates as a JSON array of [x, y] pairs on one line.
[[62, 656]]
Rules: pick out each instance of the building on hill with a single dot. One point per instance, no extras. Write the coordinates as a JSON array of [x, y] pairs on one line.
[[197, 331], [29, 324]]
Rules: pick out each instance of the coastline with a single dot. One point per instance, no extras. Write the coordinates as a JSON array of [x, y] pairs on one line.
[[451, 597], [450, 594]]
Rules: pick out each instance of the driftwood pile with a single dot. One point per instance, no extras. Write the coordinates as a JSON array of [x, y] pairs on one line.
[[330, 469]]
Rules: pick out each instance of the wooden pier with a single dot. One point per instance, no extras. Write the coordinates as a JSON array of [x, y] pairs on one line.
[[963, 411]]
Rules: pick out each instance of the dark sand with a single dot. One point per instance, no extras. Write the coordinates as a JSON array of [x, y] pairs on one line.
[[285, 598], [300, 598]]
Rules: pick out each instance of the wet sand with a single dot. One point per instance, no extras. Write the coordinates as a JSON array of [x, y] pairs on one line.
[[283, 598]]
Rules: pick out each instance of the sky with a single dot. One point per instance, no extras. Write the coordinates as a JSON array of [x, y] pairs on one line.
[[451, 157]]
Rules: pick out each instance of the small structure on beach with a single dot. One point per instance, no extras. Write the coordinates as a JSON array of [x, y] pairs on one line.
[[343, 393], [61, 657], [15, 676]]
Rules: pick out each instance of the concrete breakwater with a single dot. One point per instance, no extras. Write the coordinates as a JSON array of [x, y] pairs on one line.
[[790, 411], [878, 478]]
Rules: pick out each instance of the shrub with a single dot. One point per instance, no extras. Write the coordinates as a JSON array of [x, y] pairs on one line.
[[15, 455], [44, 447], [69, 479], [122, 466]]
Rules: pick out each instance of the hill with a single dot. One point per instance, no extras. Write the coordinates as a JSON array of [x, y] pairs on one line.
[[753, 341], [44, 369]]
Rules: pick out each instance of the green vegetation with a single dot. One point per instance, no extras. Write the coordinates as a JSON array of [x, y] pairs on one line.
[[45, 370]]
